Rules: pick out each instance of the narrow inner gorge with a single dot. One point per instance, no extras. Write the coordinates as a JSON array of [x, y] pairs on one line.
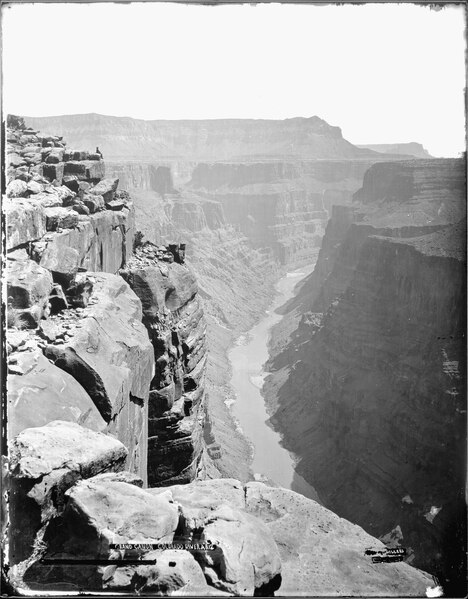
[[271, 461]]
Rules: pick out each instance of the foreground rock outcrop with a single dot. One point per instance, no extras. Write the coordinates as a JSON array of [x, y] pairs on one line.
[[216, 537], [370, 376]]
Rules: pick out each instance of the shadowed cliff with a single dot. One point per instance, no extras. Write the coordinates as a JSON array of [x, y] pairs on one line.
[[369, 370]]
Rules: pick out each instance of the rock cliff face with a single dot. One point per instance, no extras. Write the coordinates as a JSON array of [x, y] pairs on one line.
[[368, 382], [83, 328], [273, 181], [107, 357], [122, 138], [413, 149], [174, 318], [75, 324], [279, 206]]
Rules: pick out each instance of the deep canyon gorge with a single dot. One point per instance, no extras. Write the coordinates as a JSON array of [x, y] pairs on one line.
[[132, 273]]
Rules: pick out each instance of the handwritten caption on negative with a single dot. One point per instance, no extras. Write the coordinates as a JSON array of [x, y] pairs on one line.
[[202, 546], [389, 554]]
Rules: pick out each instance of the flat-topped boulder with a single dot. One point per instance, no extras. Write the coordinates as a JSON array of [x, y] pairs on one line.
[[44, 462]]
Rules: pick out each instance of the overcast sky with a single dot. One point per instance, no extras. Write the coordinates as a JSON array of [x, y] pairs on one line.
[[384, 73]]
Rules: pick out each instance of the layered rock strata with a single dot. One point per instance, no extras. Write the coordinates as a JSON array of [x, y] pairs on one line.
[[70, 328], [202, 140], [370, 377], [275, 180], [174, 318]]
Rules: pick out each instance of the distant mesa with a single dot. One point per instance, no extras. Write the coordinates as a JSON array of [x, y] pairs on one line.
[[412, 148]]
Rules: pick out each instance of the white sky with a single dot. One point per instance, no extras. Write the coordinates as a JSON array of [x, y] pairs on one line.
[[384, 73]]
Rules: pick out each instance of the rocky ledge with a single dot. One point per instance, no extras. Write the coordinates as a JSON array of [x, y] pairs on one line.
[[77, 345], [214, 537]]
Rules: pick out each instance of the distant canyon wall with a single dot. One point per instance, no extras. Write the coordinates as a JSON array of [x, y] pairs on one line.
[[368, 386], [275, 181]]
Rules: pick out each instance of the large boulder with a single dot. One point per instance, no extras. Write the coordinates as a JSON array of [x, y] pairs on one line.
[[40, 392], [28, 284], [201, 497], [244, 555], [16, 189], [60, 218], [105, 188], [46, 461], [102, 241], [53, 172], [160, 286], [25, 222]]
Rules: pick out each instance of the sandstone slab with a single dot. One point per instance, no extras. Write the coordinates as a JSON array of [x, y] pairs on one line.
[[25, 222], [44, 462], [110, 355], [44, 393], [323, 554], [28, 284], [105, 188]]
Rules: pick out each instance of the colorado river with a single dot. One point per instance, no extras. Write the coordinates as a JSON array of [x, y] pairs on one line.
[[247, 358]]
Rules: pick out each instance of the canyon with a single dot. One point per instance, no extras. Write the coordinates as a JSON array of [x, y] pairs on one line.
[[129, 282], [368, 364]]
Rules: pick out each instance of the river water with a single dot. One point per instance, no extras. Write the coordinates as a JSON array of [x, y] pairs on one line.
[[271, 460]]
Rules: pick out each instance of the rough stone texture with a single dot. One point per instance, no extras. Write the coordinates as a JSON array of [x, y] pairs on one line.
[[28, 285], [98, 512], [118, 513], [106, 189], [246, 556], [175, 573], [378, 383], [108, 352], [60, 218], [44, 462], [44, 393], [174, 319], [235, 540], [16, 189], [103, 241], [25, 221], [324, 555]]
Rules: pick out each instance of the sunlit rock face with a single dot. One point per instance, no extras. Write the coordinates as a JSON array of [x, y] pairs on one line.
[[218, 139], [73, 325], [369, 389], [228, 539]]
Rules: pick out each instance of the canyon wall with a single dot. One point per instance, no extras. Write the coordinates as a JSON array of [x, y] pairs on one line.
[[75, 321], [123, 138], [274, 181], [368, 368], [410, 149], [106, 356]]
